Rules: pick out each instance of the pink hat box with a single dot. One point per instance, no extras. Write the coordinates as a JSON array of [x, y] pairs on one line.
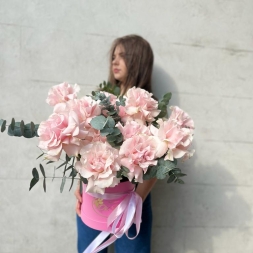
[[95, 211]]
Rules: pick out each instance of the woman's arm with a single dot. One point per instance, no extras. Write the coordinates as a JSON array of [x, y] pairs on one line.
[[143, 189], [78, 199]]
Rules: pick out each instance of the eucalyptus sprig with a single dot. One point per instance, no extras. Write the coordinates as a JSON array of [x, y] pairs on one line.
[[106, 122], [68, 165], [163, 169], [19, 129]]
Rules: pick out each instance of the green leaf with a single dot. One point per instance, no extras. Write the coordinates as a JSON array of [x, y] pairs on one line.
[[61, 165], [16, 132], [180, 181], [32, 126], [35, 178], [161, 172], [70, 167], [42, 170], [106, 131], [116, 131], [98, 122], [151, 173], [44, 185], [3, 125], [49, 161], [12, 125], [33, 182], [162, 105], [62, 183], [27, 131], [171, 179], [110, 122], [22, 127], [40, 156], [67, 158], [73, 175], [111, 138], [84, 180], [35, 173]]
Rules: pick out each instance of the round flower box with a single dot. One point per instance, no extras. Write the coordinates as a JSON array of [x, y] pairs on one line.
[[96, 208]]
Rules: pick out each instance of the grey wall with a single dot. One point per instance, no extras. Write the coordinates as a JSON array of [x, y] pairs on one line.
[[203, 54]]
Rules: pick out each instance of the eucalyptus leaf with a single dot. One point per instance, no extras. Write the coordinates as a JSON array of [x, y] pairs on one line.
[[61, 165], [150, 173], [98, 122], [180, 181], [171, 179], [41, 156], [12, 125], [27, 131], [3, 125], [32, 126], [67, 158], [70, 167], [62, 183], [110, 122], [16, 132], [116, 131], [22, 127], [106, 131], [44, 185], [161, 172], [42, 170], [73, 175], [49, 161], [33, 182], [84, 180], [35, 173], [111, 138]]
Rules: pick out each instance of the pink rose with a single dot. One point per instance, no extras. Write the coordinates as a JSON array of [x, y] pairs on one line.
[[85, 109], [176, 133], [99, 164], [181, 118], [62, 93], [140, 106], [138, 153], [132, 128], [58, 133]]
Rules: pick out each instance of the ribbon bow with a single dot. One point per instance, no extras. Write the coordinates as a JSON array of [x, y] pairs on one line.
[[119, 221]]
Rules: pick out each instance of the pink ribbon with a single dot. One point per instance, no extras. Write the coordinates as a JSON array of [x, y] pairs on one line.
[[119, 221]]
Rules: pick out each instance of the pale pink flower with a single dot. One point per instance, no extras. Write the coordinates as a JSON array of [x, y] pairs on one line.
[[58, 133], [62, 93], [176, 133], [181, 118], [140, 106], [132, 128], [99, 164], [85, 109], [138, 153]]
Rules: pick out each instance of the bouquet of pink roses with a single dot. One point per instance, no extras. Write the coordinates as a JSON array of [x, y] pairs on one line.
[[111, 138], [111, 142]]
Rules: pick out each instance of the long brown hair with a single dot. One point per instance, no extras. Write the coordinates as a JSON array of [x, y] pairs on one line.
[[139, 60]]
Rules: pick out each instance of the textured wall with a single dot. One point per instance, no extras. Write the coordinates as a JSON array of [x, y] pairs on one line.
[[203, 54]]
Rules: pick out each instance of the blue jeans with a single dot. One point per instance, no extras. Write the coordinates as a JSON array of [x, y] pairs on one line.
[[141, 244]]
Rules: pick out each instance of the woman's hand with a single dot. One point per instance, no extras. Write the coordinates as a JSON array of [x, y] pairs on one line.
[[79, 200]]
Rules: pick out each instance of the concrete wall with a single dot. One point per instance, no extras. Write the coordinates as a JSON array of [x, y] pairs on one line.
[[203, 54]]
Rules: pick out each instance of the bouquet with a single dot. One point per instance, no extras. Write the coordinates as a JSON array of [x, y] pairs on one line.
[[109, 139]]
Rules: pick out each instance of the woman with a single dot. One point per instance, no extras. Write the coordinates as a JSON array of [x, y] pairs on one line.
[[131, 64]]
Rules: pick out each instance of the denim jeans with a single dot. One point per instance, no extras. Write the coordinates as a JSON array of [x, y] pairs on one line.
[[141, 244]]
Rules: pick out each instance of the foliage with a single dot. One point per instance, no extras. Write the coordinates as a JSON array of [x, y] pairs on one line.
[[19, 129]]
